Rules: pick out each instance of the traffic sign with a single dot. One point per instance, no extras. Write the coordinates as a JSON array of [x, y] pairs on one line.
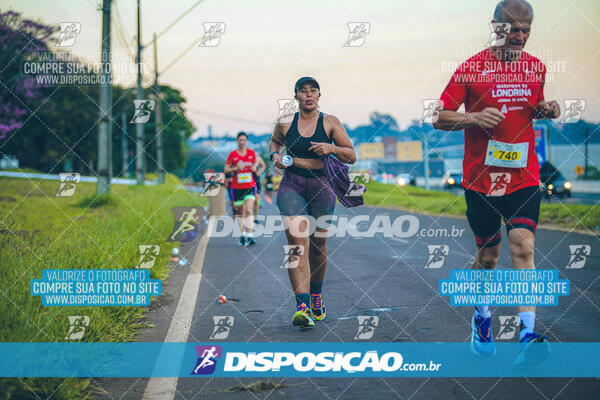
[[579, 170]]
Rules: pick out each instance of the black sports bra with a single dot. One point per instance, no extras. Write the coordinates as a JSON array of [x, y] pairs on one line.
[[297, 145]]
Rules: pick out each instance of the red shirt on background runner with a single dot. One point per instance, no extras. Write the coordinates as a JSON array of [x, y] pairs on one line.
[[514, 88], [242, 179]]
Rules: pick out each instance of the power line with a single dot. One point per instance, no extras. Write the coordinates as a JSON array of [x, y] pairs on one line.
[[122, 34], [174, 22], [229, 117], [194, 43]]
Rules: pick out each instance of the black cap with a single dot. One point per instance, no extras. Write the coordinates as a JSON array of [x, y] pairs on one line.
[[303, 80]]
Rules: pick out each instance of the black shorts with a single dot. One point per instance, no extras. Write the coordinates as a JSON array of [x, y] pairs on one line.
[[239, 196], [299, 195], [520, 209]]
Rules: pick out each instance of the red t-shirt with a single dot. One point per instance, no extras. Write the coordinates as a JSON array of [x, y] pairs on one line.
[[242, 179], [514, 88]]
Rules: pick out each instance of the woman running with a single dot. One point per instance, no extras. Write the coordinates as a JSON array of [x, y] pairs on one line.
[[305, 192]]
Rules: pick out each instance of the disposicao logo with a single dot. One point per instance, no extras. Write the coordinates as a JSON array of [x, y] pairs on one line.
[[207, 359], [320, 362]]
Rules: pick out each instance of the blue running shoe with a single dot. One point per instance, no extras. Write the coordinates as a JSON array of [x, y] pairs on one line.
[[535, 348], [482, 342]]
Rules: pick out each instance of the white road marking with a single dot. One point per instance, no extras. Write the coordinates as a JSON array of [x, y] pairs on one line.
[[164, 388]]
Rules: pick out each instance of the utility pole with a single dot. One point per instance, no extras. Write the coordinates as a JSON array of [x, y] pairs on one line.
[[139, 128], [426, 158], [586, 141], [124, 147], [104, 137], [157, 105]]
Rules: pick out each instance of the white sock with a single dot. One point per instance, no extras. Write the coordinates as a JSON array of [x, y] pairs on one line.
[[527, 323], [244, 234], [249, 234], [484, 311]]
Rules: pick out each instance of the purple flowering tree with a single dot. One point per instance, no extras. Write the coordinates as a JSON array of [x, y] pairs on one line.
[[20, 39]]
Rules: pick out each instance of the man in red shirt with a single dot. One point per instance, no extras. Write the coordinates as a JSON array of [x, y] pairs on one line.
[[242, 162], [502, 88]]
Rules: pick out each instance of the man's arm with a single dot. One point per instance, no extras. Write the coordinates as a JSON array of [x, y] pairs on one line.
[[230, 168], [549, 110], [261, 165], [449, 120]]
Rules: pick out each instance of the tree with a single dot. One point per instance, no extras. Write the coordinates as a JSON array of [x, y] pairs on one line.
[[20, 39], [49, 127], [383, 122], [176, 128]]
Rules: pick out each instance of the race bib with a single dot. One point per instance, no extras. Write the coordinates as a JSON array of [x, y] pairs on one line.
[[508, 155], [244, 177]]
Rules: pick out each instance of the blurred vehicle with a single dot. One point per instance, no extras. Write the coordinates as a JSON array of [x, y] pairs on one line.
[[553, 183], [452, 179], [405, 179]]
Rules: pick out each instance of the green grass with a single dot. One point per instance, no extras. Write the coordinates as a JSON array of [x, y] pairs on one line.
[[41, 231], [414, 199], [28, 170], [582, 217]]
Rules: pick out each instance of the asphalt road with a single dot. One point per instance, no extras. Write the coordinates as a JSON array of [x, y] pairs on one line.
[[372, 276]]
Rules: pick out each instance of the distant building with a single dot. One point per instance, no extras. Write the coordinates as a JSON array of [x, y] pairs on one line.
[[414, 168], [371, 151], [409, 151], [391, 150], [389, 147]]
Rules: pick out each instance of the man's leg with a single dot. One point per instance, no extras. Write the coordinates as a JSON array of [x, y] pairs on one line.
[[521, 244], [534, 347], [238, 211], [249, 220], [239, 219], [523, 212], [486, 258], [484, 219], [257, 204]]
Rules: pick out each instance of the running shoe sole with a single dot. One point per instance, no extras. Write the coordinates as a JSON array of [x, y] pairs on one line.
[[533, 355], [473, 328], [302, 320]]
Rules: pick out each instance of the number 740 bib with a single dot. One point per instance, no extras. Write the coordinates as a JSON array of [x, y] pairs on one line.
[[508, 155]]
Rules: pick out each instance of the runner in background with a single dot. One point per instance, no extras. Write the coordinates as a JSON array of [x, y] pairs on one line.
[[242, 162], [228, 179], [502, 89], [258, 179], [269, 187]]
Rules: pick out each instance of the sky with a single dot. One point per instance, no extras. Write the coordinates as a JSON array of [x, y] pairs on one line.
[[408, 55]]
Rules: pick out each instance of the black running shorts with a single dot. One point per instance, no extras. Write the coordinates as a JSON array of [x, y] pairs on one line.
[[520, 209]]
